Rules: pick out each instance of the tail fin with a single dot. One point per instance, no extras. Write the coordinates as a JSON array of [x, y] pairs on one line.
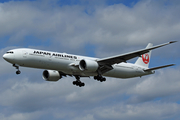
[[144, 59]]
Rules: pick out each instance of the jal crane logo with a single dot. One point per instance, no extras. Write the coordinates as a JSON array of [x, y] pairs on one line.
[[145, 58]]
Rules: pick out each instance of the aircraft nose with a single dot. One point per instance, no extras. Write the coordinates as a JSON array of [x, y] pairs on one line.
[[5, 57], [8, 58]]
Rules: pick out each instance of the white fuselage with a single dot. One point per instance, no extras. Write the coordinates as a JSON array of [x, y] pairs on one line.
[[67, 63]]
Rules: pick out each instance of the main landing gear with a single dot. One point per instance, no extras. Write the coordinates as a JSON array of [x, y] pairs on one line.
[[100, 78], [81, 84], [17, 67], [78, 82]]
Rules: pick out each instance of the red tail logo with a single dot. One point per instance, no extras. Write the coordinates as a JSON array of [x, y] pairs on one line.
[[145, 58]]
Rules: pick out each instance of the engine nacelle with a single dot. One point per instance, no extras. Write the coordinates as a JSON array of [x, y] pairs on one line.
[[88, 65], [51, 75]]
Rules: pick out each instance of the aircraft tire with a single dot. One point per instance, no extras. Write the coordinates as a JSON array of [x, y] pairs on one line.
[[80, 84], [18, 72], [74, 82]]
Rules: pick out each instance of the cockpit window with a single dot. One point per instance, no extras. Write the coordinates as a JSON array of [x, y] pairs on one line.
[[11, 52]]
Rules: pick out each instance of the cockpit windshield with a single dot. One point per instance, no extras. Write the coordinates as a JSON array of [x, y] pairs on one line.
[[11, 52]]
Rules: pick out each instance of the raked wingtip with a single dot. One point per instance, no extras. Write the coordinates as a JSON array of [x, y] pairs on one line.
[[172, 42]]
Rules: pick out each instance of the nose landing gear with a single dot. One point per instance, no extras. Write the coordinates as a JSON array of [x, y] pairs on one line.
[[17, 67]]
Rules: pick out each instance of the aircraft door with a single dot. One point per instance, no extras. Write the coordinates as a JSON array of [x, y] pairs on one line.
[[25, 53]]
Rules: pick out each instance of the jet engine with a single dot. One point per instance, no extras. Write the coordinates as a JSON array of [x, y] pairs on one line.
[[88, 65], [51, 75]]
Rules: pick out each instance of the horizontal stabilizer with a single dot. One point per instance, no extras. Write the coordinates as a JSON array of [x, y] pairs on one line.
[[155, 68]]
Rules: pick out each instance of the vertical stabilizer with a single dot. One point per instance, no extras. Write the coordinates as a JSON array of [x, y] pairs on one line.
[[145, 58]]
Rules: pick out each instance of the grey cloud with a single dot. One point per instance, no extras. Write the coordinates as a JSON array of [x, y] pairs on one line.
[[145, 22], [22, 116], [92, 101], [164, 84], [110, 27], [25, 96], [146, 111]]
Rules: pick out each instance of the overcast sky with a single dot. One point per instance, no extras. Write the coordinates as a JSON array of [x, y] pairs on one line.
[[97, 28]]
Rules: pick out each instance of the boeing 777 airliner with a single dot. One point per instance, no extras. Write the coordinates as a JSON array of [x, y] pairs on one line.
[[57, 65]]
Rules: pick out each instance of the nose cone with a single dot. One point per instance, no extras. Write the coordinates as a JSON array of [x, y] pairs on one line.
[[5, 57], [8, 58]]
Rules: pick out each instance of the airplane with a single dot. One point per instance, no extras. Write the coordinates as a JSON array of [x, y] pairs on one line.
[[57, 65]]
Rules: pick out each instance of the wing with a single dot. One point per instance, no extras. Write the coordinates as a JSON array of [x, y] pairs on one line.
[[105, 63]]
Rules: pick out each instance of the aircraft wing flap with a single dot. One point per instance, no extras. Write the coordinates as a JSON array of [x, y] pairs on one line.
[[105, 68], [124, 57], [155, 68]]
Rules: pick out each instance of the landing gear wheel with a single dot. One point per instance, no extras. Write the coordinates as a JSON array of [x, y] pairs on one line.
[[78, 82], [103, 79], [74, 82], [18, 72], [81, 85], [99, 78]]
